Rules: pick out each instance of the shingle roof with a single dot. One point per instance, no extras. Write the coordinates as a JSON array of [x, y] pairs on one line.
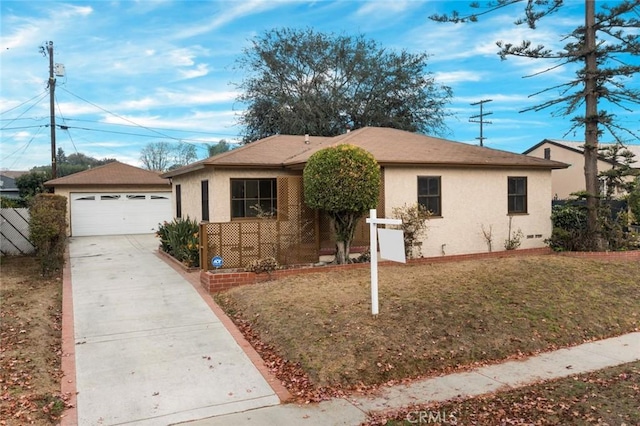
[[114, 173], [578, 146], [271, 152], [388, 146], [398, 147], [13, 174]]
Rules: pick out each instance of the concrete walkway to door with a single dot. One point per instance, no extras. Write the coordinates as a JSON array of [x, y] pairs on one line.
[[148, 348]]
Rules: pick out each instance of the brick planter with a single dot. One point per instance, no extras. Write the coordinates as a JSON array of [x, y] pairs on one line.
[[224, 279], [176, 262]]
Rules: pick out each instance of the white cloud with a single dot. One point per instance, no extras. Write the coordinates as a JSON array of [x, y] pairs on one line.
[[30, 32], [147, 58], [181, 57], [209, 121], [196, 97], [200, 71], [381, 9], [22, 135], [449, 77], [21, 36], [225, 15], [140, 104], [497, 97], [72, 11], [72, 109]]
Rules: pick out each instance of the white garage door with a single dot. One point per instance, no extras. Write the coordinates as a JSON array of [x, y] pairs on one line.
[[118, 213]]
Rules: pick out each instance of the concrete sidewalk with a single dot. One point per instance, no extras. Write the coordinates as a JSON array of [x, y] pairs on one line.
[[148, 349], [562, 363]]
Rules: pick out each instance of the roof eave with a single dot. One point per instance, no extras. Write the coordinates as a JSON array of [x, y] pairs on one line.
[[555, 165], [183, 170], [100, 184]]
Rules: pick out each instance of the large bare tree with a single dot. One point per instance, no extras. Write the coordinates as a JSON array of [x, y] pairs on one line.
[[163, 156], [603, 48]]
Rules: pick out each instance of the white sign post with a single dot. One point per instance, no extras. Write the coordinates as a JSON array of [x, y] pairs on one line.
[[389, 240]]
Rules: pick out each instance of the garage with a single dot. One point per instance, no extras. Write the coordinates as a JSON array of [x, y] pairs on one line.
[[118, 213], [114, 199]]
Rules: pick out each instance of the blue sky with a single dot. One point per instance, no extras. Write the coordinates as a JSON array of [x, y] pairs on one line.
[[145, 71]]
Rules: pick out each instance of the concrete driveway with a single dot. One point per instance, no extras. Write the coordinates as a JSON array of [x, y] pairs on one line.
[[148, 348]]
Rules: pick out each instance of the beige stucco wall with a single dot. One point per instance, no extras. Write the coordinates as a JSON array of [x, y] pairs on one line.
[[67, 190], [564, 182], [219, 191], [471, 199]]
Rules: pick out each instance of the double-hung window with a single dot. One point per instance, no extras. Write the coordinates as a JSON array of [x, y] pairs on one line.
[[253, 198], [429, 194], [517, 195]]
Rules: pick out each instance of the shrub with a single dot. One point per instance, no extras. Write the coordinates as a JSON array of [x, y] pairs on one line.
[[48, 230], [569, 223], [163, 234], [634, 201], [267, 264], [179, 238], [414, 224], [570, 228], [343, 181], [514, 241], [11, 203]]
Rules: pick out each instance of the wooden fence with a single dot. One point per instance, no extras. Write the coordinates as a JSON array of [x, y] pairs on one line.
[[14, 232], [291, 237], [296, 235]]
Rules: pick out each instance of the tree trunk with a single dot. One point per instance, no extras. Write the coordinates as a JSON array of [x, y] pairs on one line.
[[341, 253], [591, 127], [344, 224]]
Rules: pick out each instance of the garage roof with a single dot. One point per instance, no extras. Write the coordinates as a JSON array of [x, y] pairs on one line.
[[115, 173]]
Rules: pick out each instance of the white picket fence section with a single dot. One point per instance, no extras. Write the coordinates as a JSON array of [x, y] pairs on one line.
[[14, 232]]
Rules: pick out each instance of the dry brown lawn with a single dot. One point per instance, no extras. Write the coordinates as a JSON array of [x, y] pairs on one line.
[[30, 351], [436, 318]]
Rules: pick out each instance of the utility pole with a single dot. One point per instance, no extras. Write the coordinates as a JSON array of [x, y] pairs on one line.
[[481, 118], [47, 49]]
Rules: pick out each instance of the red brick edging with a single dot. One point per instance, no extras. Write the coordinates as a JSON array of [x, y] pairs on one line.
[[604, 255], [216, 281], [68, 361], [168, 258]]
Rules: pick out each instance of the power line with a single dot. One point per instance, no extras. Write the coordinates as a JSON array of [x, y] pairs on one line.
[[43, 94], [121, 117], [164, 135], [23, 149], [185, 140], [25, 111], [24, 118], [128, 134], [66, 128], [166, 129], [25, 127]]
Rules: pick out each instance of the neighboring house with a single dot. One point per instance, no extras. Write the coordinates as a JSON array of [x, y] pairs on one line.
[[570, 180], [114, 199], [468, 188], [8, 186]]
